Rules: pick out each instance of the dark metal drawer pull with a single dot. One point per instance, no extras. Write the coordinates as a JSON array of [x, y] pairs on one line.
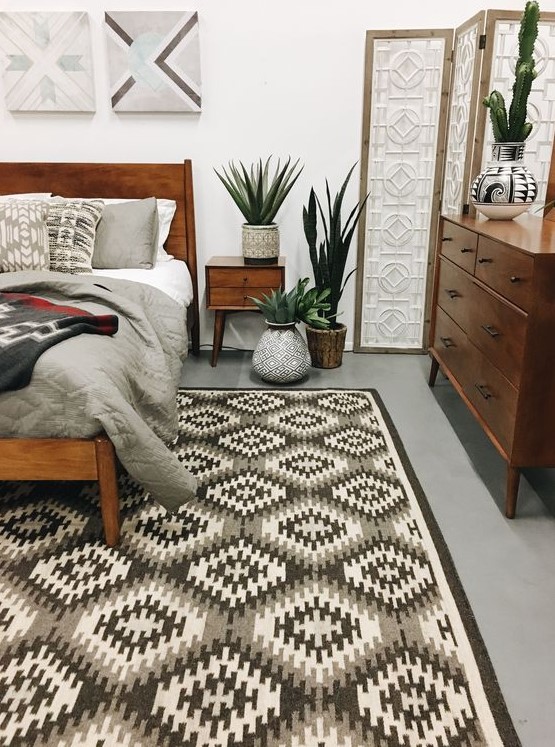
[[482, 260], [448, 342], [490, 330], [466, 249], [452, 293], [482, 388], [515, 279], [447, 238]]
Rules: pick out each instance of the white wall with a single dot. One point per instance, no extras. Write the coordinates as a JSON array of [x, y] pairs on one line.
[[277, 78]]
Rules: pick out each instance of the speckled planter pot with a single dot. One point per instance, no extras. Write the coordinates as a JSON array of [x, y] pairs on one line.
[[260, 244]]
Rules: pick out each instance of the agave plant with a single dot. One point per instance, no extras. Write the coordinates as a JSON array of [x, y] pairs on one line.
[[513, 128], [295, 306], [329, 257], [257, 193]]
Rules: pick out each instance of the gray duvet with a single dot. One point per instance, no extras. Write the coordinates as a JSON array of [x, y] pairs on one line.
[[125, 385]]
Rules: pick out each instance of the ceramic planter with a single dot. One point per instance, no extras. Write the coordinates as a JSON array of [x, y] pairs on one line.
[[505, 188], [260, 244], [281, 355]]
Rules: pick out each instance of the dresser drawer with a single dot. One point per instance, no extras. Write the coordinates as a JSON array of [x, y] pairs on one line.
[[455, 292], [459, 245], [231, 277], [507, 271], [235, 296], [493, 397], [453, 347], [499, 330]]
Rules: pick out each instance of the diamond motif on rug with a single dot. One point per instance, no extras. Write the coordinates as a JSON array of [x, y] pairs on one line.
[[369, 494], [313, 531], [306, 466], [252, 440], [250, 492], [236, 574], [37, 687], [302, 420], [198, 701], [317, 632], [396, 577], [136, 632], [419, 702]]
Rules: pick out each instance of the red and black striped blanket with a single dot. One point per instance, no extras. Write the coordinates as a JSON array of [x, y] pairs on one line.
[[29, 325]]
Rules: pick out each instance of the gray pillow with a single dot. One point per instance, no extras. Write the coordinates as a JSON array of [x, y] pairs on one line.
[[126, 235]]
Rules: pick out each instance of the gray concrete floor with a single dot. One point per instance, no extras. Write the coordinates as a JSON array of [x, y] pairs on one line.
[[507, 567]]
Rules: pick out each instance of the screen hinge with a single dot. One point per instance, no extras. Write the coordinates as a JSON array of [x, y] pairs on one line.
[[482, 41], [466, 208]]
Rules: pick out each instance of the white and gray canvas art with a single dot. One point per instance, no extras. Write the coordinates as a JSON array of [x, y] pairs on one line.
[[47, 61], [154, 60]]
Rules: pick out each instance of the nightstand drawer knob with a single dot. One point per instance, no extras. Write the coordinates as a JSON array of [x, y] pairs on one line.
[[515, 279], [448, 342], [466, 249], [490, 329], [452, 293], [486, 394], [245, 280], [483, 260]]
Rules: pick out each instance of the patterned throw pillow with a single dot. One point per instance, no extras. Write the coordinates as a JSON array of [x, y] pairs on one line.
[[23, 235], [71, 231]]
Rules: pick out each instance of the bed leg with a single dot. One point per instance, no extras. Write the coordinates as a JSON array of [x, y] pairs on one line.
[[108, 484]]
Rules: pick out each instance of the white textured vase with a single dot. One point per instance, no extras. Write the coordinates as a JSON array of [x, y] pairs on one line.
[[260, 244], [505, 188], [281, 355]]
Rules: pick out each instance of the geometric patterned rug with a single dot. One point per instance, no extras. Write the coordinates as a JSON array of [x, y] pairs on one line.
[[304, 599]]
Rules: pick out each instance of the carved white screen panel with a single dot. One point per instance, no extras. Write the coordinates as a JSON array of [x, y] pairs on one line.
[[405, 106], [461, 109], [541, 104]]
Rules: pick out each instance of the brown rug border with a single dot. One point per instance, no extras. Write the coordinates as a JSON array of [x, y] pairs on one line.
[[494, 695]]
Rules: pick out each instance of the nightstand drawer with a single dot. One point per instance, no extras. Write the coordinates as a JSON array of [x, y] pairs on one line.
[[459, 245], [453, 346], [236, 296], [247, 277], [506, 271]]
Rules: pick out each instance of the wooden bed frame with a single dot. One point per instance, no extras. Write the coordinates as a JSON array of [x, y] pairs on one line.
[[95, 458]]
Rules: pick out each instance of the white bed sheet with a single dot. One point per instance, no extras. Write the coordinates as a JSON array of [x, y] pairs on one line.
[[172, 277]]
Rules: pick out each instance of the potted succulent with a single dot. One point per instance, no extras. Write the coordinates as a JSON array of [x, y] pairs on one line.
[[328, 259], [259, 195], [506, 188], [281, 355]]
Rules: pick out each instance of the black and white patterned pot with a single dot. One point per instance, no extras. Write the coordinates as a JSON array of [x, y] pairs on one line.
[[281, 355], [505, 188], [260, 244]]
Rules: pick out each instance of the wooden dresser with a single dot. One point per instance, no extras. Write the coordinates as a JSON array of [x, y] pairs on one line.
[[493, 333]]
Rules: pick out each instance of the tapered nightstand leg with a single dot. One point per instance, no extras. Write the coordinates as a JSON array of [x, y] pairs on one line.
[[433, 372], [219, 326], [513, 479]]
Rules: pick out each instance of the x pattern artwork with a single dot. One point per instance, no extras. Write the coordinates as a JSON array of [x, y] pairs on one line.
[[47, 61], [154, 60]]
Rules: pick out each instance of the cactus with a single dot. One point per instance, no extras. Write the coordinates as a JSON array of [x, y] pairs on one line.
[[513, 128]]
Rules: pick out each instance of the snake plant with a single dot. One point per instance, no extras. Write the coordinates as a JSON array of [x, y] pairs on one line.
[[513, 128], [329, 256], [295, 306], [257, 193]]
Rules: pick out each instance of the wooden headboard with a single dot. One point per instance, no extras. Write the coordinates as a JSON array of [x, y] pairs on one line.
[[172, 181]]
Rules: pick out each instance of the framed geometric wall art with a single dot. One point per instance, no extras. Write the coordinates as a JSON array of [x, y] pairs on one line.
[[47, 61], [154, 61]]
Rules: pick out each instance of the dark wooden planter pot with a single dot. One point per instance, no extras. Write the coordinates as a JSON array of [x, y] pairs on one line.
[[326, 346]]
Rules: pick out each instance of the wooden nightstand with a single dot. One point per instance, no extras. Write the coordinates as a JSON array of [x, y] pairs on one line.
[[230, 282]]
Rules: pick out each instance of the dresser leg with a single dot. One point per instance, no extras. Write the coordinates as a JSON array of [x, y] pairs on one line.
[[219, 326], [434, 368], [513, 479]]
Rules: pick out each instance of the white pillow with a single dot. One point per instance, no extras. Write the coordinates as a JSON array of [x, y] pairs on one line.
[[27, 196], [166, 210]]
